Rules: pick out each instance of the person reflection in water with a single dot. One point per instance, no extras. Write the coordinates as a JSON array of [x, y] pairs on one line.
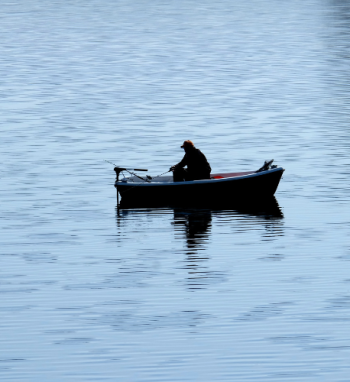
[[197, 225], [196, 162]]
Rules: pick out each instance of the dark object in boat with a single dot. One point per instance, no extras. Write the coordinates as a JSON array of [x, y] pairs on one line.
[[267, 165], [232, 188]]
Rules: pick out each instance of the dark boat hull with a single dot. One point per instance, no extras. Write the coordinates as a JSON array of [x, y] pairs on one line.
[[229, 190]]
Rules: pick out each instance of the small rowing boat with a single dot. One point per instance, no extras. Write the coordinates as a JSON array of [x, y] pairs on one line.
[[233, 187]]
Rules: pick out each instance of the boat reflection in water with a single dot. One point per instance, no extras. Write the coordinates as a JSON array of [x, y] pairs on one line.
[[265, 207], [262, 219], [197, 219]]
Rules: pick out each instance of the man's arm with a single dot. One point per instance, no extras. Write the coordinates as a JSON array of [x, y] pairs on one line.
[[182, 163]]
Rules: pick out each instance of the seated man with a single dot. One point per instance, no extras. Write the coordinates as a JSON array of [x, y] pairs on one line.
[[196, 162]]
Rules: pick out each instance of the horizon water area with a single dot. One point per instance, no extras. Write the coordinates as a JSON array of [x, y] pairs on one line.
[[91, 292]]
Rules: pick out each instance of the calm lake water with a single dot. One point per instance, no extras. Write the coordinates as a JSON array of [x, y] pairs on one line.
[[92, 293]]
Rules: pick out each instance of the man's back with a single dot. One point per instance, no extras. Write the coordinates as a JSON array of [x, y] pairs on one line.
[[195, 161]]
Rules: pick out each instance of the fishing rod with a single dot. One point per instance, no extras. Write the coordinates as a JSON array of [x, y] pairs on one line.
[[162, 174], [126, 169], [118, 170]]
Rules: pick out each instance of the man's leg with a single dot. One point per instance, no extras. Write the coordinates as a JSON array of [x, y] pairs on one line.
[[187, 175], [179, 175]]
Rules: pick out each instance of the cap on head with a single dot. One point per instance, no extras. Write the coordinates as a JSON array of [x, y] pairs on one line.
[[187, 143]]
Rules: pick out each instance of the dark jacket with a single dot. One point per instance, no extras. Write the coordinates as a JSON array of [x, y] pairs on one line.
[[196, 162]]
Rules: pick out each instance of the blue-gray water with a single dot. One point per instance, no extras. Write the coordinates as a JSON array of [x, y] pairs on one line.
[[90, 294]]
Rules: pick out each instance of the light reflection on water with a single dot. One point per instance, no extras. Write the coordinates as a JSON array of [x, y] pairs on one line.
[[92, 293]]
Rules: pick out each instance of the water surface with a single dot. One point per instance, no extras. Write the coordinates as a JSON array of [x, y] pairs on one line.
[[93, 293]]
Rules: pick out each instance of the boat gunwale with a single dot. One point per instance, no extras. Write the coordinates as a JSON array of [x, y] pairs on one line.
[[195, 182]]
